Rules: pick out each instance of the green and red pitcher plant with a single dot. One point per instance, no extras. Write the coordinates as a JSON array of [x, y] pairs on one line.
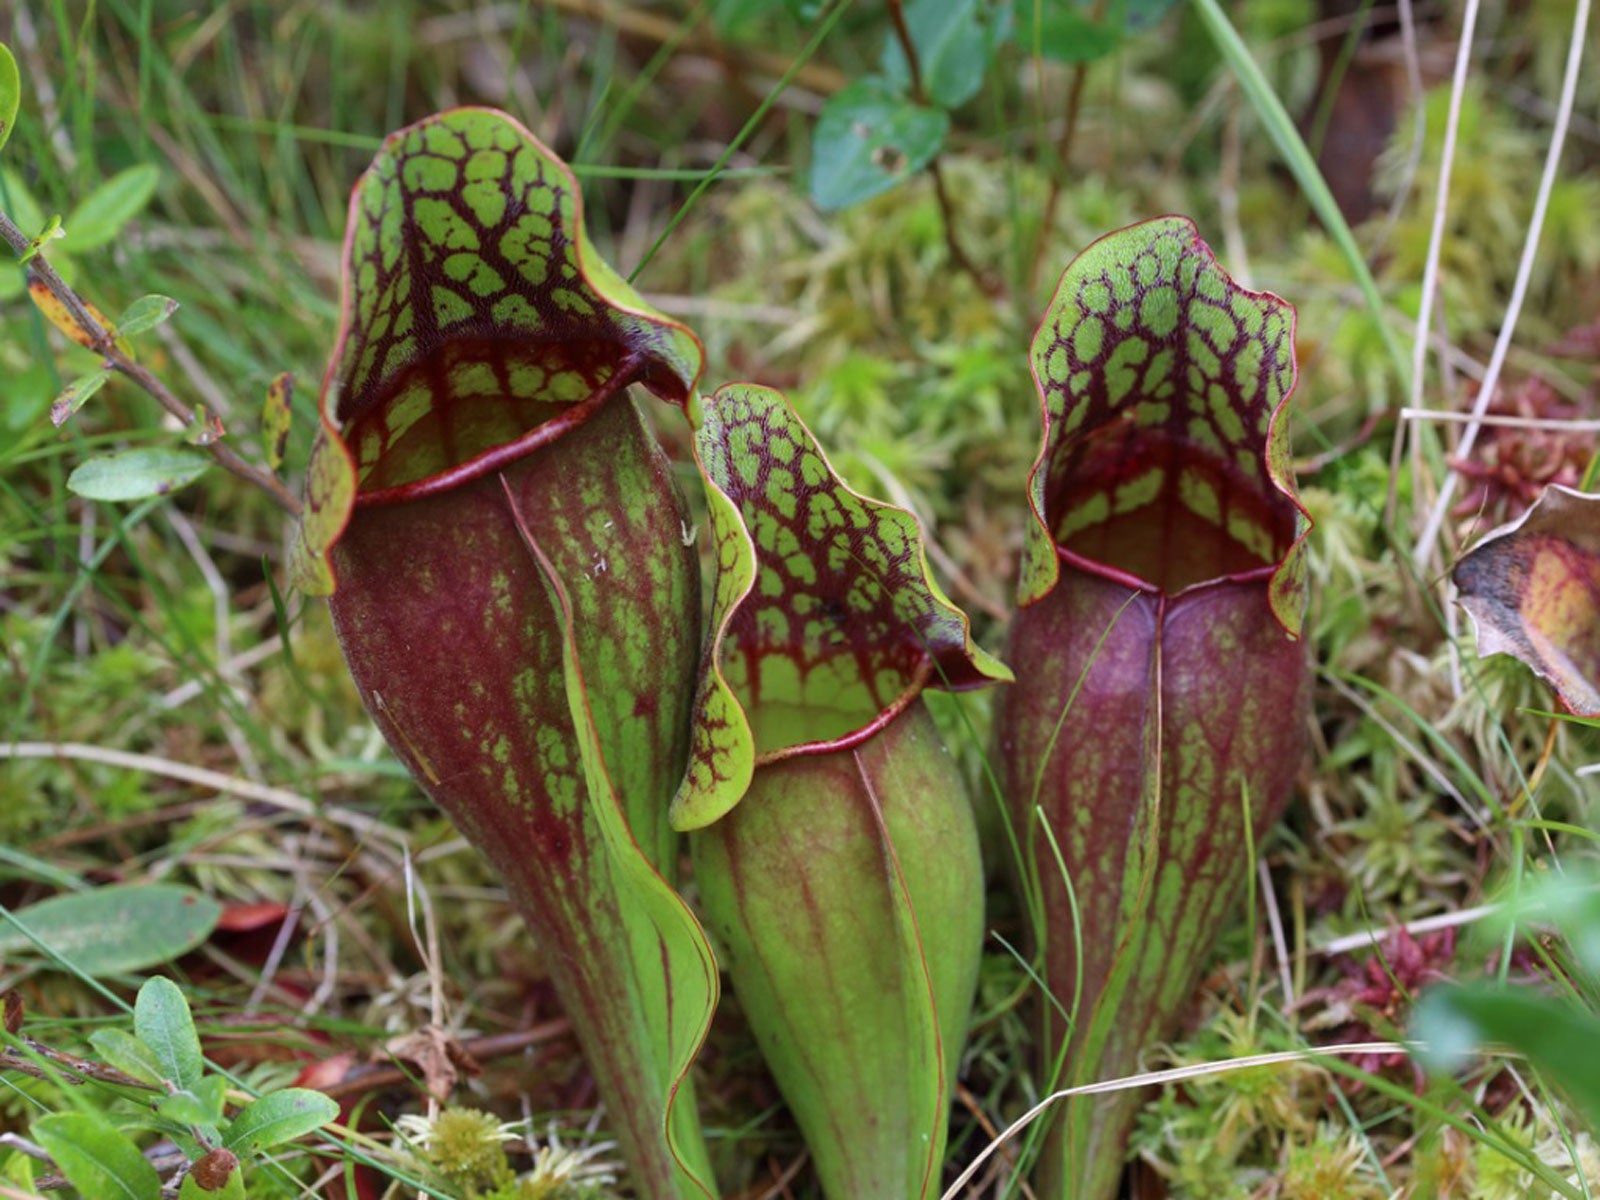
[[516, 584], [1157, 727]]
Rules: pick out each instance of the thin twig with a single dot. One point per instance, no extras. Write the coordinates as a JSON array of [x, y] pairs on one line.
[[1052, 201], [1519, 288], [103, 343], [897, 17], [1430, 272]]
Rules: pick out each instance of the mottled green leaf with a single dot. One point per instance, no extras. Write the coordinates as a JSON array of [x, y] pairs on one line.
[[1532, 589], [76, 394], [1065, 33], [277, 414], [113, 929], [469, 275], [137, 474], [144, 314], [1148, 342], [279, 1117], [161, 1020], [955, 42], [869, 138], [100, 216], [10, 93], [826, 621], [97, 1159]]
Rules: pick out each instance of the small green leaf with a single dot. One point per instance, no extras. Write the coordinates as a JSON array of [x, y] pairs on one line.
[[76, 394], [869, 138], [114, 929], [162, 1021], [1067, 34], [51, 231], [137, 474], [97, 1159], [276, 415], [10, 93], [1556, 1036], [955, 41], [279, 1117], [104, 211], [198, 1110], [145, 313], [128, 1054]]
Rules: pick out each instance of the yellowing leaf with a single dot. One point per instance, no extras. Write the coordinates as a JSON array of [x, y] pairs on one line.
[[59, 316], [1532, 589], [275, 417]]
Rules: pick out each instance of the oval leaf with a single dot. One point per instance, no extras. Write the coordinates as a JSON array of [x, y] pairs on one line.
[[97, 1159], [279, 1117], [10, 93], [137, 474], [162, 1022], [869, 138], [145, 313], [104, 211], [115, 929], [128, 1054], [955, 41], [1532, 589]]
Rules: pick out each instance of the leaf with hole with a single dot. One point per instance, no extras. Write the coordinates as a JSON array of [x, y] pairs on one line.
[[137, 474], [955, 43], [1532, 589], [97, 1159], [869, 138], [111, 930], [101, 215]]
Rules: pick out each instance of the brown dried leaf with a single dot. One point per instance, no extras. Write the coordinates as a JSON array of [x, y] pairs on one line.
[[1532, 589], [440, 1058]]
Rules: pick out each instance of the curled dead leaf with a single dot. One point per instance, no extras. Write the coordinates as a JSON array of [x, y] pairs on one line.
[[1532, 589]]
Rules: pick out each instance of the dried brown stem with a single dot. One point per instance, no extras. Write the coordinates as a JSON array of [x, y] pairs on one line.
[[103, 343]]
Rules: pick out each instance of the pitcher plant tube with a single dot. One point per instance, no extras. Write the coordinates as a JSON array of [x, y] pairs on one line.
[[1156, 725], [507, 565], [835, 850]]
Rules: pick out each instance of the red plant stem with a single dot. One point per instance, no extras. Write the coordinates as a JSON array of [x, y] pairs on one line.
[[103, 343]]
